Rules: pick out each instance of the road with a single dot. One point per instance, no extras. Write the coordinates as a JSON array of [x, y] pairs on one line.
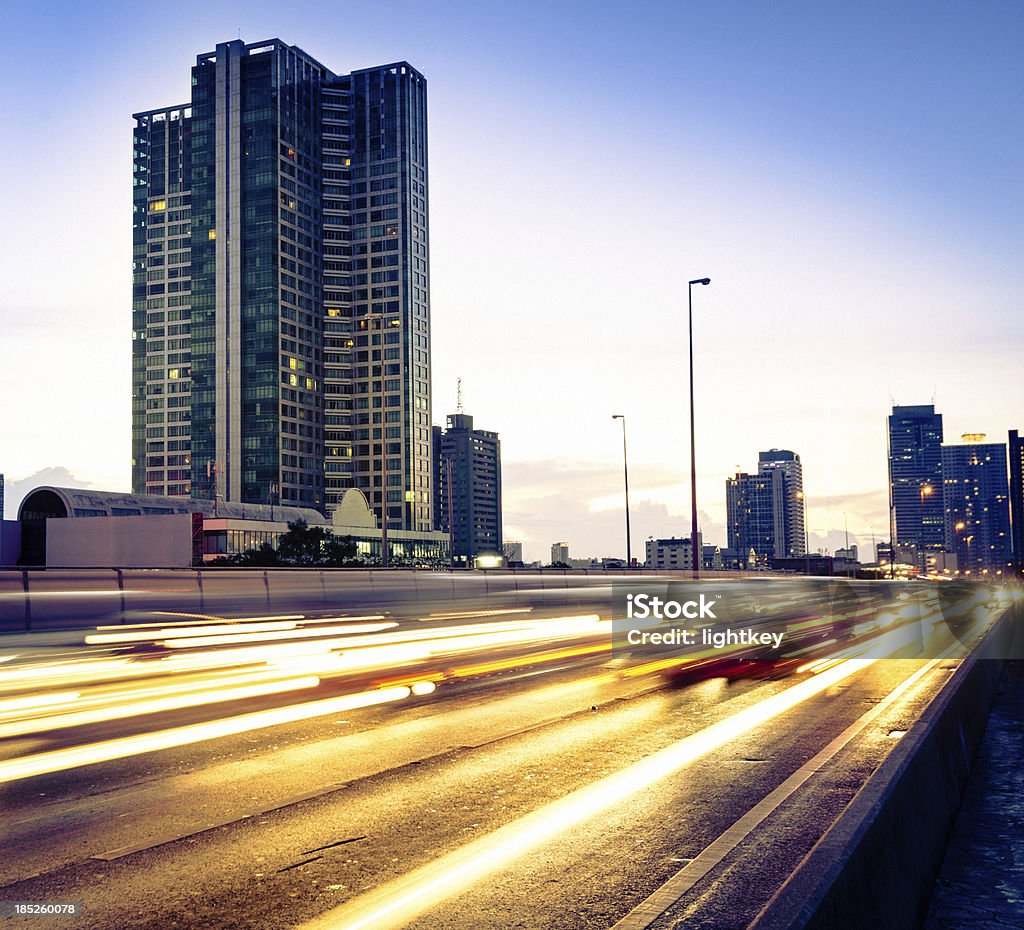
[[506, 779]]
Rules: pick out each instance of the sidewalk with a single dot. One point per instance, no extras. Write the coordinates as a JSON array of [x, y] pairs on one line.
[[981, 884]]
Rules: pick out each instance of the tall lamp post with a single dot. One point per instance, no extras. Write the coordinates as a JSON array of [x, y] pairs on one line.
[[625, 477], [694, 545]]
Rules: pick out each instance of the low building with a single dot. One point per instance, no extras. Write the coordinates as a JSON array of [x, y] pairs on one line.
[[75, 528], [667, 555], [816, 564]]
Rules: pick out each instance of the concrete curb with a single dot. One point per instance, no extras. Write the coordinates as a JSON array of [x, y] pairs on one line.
[[876, 865]]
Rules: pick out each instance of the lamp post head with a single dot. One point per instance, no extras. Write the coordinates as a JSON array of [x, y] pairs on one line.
[[701, 281], [618, 416]]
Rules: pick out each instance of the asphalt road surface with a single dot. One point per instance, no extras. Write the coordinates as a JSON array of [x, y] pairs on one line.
[[518, 782]]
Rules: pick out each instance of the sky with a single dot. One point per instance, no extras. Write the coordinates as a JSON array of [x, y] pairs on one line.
[[848, 175]]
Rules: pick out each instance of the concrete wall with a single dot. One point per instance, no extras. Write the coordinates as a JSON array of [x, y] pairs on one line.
[[875, 867], [163, 541]]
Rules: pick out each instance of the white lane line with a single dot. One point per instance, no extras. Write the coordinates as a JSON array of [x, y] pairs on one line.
[[398, 902], [647, 912]]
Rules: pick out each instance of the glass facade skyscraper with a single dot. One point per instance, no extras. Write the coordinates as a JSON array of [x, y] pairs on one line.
[[1016, 451], [289, 204], [915, 477], [976, 498], [755, 510], [795, 536]]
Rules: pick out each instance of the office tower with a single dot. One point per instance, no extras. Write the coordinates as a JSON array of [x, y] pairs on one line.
[[1016, 450], [560, 553], [975, 496], [513, 552], [915, 479], [467, 469], [1, 496], [298, 358], [794, 538], [756, 514]]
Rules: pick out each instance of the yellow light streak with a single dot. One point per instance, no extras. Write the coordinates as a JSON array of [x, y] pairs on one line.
[[206, 633], [399, 902], [212, 695], [465, 614], [36, 702], [59, 760], [185, 641], [551, 655]]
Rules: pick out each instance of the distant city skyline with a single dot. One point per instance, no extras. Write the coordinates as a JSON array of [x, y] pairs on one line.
[[862, 231]]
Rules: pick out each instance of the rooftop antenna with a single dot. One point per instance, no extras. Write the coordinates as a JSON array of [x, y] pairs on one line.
[[458, 396]]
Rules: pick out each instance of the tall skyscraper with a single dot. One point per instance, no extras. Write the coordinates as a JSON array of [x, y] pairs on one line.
[[467, 469], [281, 316], [1016, 450], [915, 477], [756, 514], [794, 533], [976, 500]]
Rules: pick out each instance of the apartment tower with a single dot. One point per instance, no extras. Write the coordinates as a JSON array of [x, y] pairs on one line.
[[281, 312]]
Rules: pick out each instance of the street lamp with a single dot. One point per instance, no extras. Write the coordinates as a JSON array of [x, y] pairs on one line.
[[694, 547], [625, 476]]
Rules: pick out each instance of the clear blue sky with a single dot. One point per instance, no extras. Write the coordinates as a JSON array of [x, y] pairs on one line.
[[849, 176]]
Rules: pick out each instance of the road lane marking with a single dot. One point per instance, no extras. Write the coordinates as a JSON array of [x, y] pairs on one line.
[[648, 911], [398, 902]]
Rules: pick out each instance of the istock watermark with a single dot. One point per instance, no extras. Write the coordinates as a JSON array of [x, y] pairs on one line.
[[785, 624]]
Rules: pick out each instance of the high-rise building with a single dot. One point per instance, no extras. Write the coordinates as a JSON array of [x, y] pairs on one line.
[[281, 315], [560, 553], [1016, 450], [1, 496], [467, 474], [975, 496], [756, 514], [793, 525], [915, 479]]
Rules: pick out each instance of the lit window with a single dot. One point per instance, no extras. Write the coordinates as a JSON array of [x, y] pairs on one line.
[[173, 374], [212, 234], [158, 205], [292, 363]]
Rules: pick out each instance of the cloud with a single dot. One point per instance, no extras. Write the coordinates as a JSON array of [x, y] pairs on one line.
[[538, 521], [55, 476], [587, 479]]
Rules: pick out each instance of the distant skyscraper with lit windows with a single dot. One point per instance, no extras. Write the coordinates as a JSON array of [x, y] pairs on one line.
[[915, 478], [976, 501], [1016, 451]]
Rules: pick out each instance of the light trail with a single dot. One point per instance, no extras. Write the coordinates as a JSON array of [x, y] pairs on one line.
[[215, 693], [59, 760], [197, 630], [399, 902]]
